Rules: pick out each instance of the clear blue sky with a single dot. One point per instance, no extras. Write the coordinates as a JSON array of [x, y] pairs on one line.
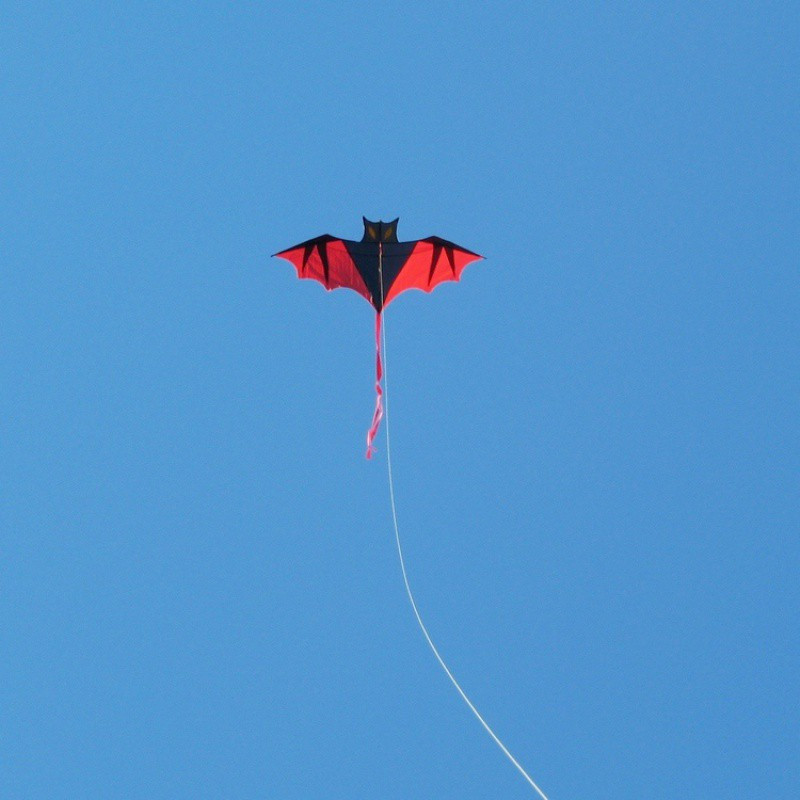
[[595, 433]]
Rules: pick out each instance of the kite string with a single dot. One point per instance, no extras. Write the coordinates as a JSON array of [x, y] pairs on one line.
[[405, 575]]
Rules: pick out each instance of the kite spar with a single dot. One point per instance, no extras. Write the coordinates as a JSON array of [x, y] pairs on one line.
[[379, 267]]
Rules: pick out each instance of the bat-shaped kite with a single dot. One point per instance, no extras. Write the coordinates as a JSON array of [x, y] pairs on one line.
[[379, 268]]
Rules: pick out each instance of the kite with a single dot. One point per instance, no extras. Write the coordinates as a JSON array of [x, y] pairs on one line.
[[379, 268]]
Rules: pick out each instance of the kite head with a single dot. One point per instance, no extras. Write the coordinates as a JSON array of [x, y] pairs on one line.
[[380, 231]]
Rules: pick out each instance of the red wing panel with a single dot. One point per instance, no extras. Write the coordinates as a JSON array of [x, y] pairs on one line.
[[326, 260], [431, 262]]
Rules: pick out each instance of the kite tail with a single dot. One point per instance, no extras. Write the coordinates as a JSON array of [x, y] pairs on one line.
[[378, 415]]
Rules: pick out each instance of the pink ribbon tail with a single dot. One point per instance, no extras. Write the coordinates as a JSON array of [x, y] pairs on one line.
[[378, 415]]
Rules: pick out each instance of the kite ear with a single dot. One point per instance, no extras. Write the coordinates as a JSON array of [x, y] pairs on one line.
[[370, 230], [390, 230]]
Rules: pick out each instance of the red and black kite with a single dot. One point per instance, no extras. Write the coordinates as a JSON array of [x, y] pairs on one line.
[[379, 268]]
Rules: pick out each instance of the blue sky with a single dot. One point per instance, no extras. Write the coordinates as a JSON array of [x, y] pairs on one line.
[[595, 433]]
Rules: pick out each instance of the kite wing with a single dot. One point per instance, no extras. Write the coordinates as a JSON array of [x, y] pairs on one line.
[[326, 259], [431, 262], [379, 267]]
